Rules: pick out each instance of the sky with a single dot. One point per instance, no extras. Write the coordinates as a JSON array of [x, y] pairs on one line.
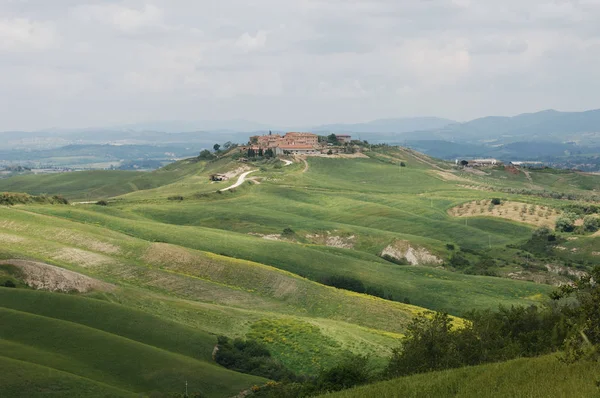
[[67, 63]]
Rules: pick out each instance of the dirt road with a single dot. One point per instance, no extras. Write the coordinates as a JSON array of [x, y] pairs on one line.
[[240, 180]]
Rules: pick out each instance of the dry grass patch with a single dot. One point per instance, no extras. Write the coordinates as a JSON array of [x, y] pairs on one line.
[[7, 238], [76, 238], [447, 176], [515, 211], [82, 258]]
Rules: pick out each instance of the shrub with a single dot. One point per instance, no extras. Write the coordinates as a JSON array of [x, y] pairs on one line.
[[352, 371], [176, 197], [496, 201], [566, 222], [206, 155], [9, 283], [450, 246], [288, 232], [252, 357], [591, 223], [344, 282], [102, 203]]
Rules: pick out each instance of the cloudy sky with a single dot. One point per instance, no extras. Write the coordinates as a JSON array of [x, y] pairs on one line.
[[67, 63]]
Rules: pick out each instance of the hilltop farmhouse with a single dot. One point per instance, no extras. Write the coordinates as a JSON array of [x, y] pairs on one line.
[[295, 143]]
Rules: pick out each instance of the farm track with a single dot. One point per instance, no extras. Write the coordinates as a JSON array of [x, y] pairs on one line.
[[240, 180]]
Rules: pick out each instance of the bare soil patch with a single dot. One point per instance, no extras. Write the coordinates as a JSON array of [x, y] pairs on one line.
[[44, 276], [414, 255], [267, 236], [515, 211], [328, 239]]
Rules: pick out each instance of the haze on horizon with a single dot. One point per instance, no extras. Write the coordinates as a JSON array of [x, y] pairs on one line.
[[68, 63]]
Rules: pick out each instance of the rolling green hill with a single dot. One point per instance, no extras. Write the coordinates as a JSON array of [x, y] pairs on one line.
[[522, 378], [174, 262], [107, 345]]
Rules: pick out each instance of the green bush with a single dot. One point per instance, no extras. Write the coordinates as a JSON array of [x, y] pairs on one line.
[[175, 197], [566, 222], [206, 155], [496, 201], [102, 203], [251, 357], [591, 223]]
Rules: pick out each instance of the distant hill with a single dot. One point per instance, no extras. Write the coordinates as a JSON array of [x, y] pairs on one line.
[[549, 125], [401, 125]]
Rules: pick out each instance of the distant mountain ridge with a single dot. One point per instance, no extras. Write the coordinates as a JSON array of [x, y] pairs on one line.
[[549, 125], [400, 125]]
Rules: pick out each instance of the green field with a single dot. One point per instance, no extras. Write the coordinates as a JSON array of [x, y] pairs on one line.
[[522, 378], [186, 263], [104, 344]]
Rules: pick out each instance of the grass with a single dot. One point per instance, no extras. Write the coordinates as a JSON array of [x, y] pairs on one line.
[[113, 318], [108, 358], [425, 286], [25, 379], [98, 184], [524, 378], [187, 270]]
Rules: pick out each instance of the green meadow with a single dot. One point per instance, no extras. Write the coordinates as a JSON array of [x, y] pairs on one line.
[[182, 262]]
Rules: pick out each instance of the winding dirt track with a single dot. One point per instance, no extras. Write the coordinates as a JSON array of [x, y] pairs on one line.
[[240, 180]]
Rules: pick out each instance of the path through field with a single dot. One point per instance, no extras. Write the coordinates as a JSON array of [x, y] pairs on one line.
[[240, 180], [305, 164]]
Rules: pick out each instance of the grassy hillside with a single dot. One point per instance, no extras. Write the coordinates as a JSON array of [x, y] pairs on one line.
[[252, 263], [98, 184], [425, 286], [104, 357], [25, 379], [524, 378]]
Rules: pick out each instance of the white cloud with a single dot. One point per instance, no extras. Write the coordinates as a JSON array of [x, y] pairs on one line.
[[325, 60], [120, 17], [248, 43], [22, 34]]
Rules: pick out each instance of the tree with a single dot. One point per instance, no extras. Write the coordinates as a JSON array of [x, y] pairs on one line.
[[332, 139], [206, 155], [260, 152], [228, 145], [464, 163], [216, 147], [428, 346], [352, 371], [496, 201], [584, 338], [402, 164], [251, 153], [269, 153], [330, 152], [591, 223], [566, 222]]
